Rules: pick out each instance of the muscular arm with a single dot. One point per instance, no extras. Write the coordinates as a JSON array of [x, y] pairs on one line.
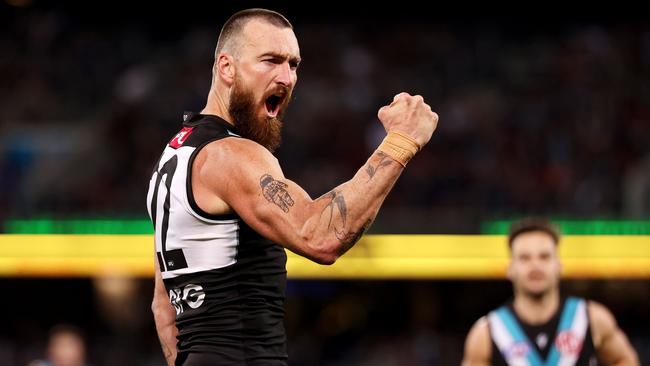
[[164, 317], [279, 209], [478, 346], [241, 175], [610, 342]]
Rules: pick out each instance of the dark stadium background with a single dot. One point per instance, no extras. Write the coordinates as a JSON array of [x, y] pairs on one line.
[[543, 110]]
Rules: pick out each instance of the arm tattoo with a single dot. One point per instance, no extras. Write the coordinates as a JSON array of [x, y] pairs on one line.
[[351, 237], [372, 170], [336, 200], [348, 238], [275, 192]]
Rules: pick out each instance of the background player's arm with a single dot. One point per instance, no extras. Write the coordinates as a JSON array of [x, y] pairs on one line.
[[610, 342], [478, 345], [165, 318], [277, 208]]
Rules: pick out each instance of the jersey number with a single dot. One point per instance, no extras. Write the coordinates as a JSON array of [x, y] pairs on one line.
[[168, 260]]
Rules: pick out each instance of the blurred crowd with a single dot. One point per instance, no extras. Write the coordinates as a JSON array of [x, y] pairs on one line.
[[545, 118], [551, 120]]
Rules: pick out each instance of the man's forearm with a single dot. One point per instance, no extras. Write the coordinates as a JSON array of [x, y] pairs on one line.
[[164, 317], [167, 336], [346, 212]]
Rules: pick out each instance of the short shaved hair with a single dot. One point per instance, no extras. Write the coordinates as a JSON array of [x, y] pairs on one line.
[[529, 224], [234, 26]]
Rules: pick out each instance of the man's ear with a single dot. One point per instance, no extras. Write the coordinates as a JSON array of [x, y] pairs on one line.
[[224, 68]]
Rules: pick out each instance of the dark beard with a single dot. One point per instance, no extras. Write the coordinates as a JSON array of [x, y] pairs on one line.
[[264, 131]]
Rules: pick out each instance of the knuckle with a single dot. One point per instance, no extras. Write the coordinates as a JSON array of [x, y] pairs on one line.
[[402, 95]]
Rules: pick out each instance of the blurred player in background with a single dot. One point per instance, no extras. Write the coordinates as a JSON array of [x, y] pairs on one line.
[[541, 327], [65, 347]]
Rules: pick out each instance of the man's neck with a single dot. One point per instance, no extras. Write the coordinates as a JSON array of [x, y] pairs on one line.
[[216, 106], [536, 311]]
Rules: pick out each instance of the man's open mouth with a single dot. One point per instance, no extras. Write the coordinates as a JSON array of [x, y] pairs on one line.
[[273, 104]]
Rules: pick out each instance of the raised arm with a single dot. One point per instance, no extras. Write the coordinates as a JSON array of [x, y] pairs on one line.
[[610, 342], [241, 175], [478, 345]]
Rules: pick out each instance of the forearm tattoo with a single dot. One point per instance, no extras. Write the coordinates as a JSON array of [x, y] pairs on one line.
[[385, 160], [351, 237], [276, 192], [337, 205], [336, 201]]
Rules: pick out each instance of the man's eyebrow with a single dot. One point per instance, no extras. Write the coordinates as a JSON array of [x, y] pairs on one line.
[[295, 59]]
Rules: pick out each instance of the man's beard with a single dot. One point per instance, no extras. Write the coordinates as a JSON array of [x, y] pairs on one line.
[[265, 131], [536, 294]]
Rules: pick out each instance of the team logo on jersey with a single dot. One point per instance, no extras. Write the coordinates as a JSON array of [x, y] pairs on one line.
[[190, 295], [517, 350], [567, 343], [180, 137]]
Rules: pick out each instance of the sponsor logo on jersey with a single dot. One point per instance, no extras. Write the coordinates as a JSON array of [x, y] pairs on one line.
[[180, 137], [567, 343], [191, 295]]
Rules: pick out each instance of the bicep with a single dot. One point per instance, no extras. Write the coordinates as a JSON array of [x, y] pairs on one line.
[[616, 349], [160, 301], [612, 345], [160, 293], [478, 345], [274, 206], [258, 191]]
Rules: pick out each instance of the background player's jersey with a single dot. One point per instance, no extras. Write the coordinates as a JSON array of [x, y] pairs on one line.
[[225, 281], [542, 345]]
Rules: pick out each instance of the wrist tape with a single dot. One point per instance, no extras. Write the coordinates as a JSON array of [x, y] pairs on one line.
[[399, 146]]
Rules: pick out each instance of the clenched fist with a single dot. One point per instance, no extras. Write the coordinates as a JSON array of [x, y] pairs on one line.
[[410, 115]]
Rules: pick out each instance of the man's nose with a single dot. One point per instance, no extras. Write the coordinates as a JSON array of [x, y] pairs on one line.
[[285, 75]]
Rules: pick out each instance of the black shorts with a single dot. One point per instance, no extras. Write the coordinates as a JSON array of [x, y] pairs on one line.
[[220, 359]]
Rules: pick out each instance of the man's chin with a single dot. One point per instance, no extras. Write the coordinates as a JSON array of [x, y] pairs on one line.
[[536, 293], [253, 121], [266, 132], [273, 137]]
